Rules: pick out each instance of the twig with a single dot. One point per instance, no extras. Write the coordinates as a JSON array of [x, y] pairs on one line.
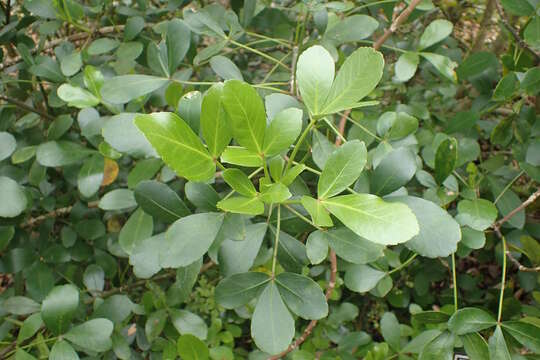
[[497, 228], [54, 213], [396, 23], [26, 107], [292, 83], [508, 216], [342, 123], [513, 31]]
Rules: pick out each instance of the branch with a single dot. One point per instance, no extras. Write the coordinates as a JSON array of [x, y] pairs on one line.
[[54, 213], [396, 23], [497, 228], [513, 31], [26, 107]]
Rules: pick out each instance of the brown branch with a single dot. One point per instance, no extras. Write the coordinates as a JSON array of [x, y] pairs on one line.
[[484, 26], [396, 23], [508, 216], [51, 214], [26, 107], [497, 228], [521, 43]]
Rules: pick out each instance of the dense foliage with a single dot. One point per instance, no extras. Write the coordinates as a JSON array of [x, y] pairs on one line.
[[255, 179]]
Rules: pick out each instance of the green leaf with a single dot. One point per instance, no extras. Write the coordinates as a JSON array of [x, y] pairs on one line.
[[91, 176], [506, 87], [30, 327], [528, 334], [202, 195], [282, 131], [62, 350], [61, 153], [191, 348], [390, 330], [315, 74], [498, 350], [94, 277], [475, 346], [303, 296], [362, 278], [396, 125], [445, 159], [395, 170], [215, 127], [155, 323], [469, 320], [138, 227], [242, 205], [238, 251], [439, 232], [406, 66], [431, 317], [518, 7], [358, 76], [272, 326], [275, 193], [374, 219], [240, 182], [59, 307], [160, 201], [239, 289], [102, 46], [478, 214], [145, 255], [435, 32], [291, 253], [319, 215], [443, 64], [241, 156], [352, 247], [123, 89], [186, 322], [352, 28], [122, 134], [416, 345], [20, 305], [317, 247], [225, 68], [23, 154], [532, 33], [440, 348], [177, 41], [7, 145], [179, 147], [77, 97], [94, 335], [189, 238], [246, 112], [531, 80], [342, 169], [14, 200], [119, 199]]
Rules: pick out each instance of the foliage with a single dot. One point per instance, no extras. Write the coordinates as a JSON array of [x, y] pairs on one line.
[[254, 180]]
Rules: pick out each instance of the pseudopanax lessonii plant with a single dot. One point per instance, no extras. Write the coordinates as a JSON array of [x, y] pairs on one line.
[[261, 169], [269, 180]]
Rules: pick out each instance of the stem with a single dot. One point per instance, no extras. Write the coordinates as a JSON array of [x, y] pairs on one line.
[[454, 282], [302, 217], [396, 23], [340, 137], [508, 186], [405, 264], [366, 130], [375, 3], [503, 280], [255, 51], [26, 107], [274, 259], [283, 42], [299, 142]]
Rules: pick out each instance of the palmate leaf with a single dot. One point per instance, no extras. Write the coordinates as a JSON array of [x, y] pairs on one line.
[[179, 147]]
